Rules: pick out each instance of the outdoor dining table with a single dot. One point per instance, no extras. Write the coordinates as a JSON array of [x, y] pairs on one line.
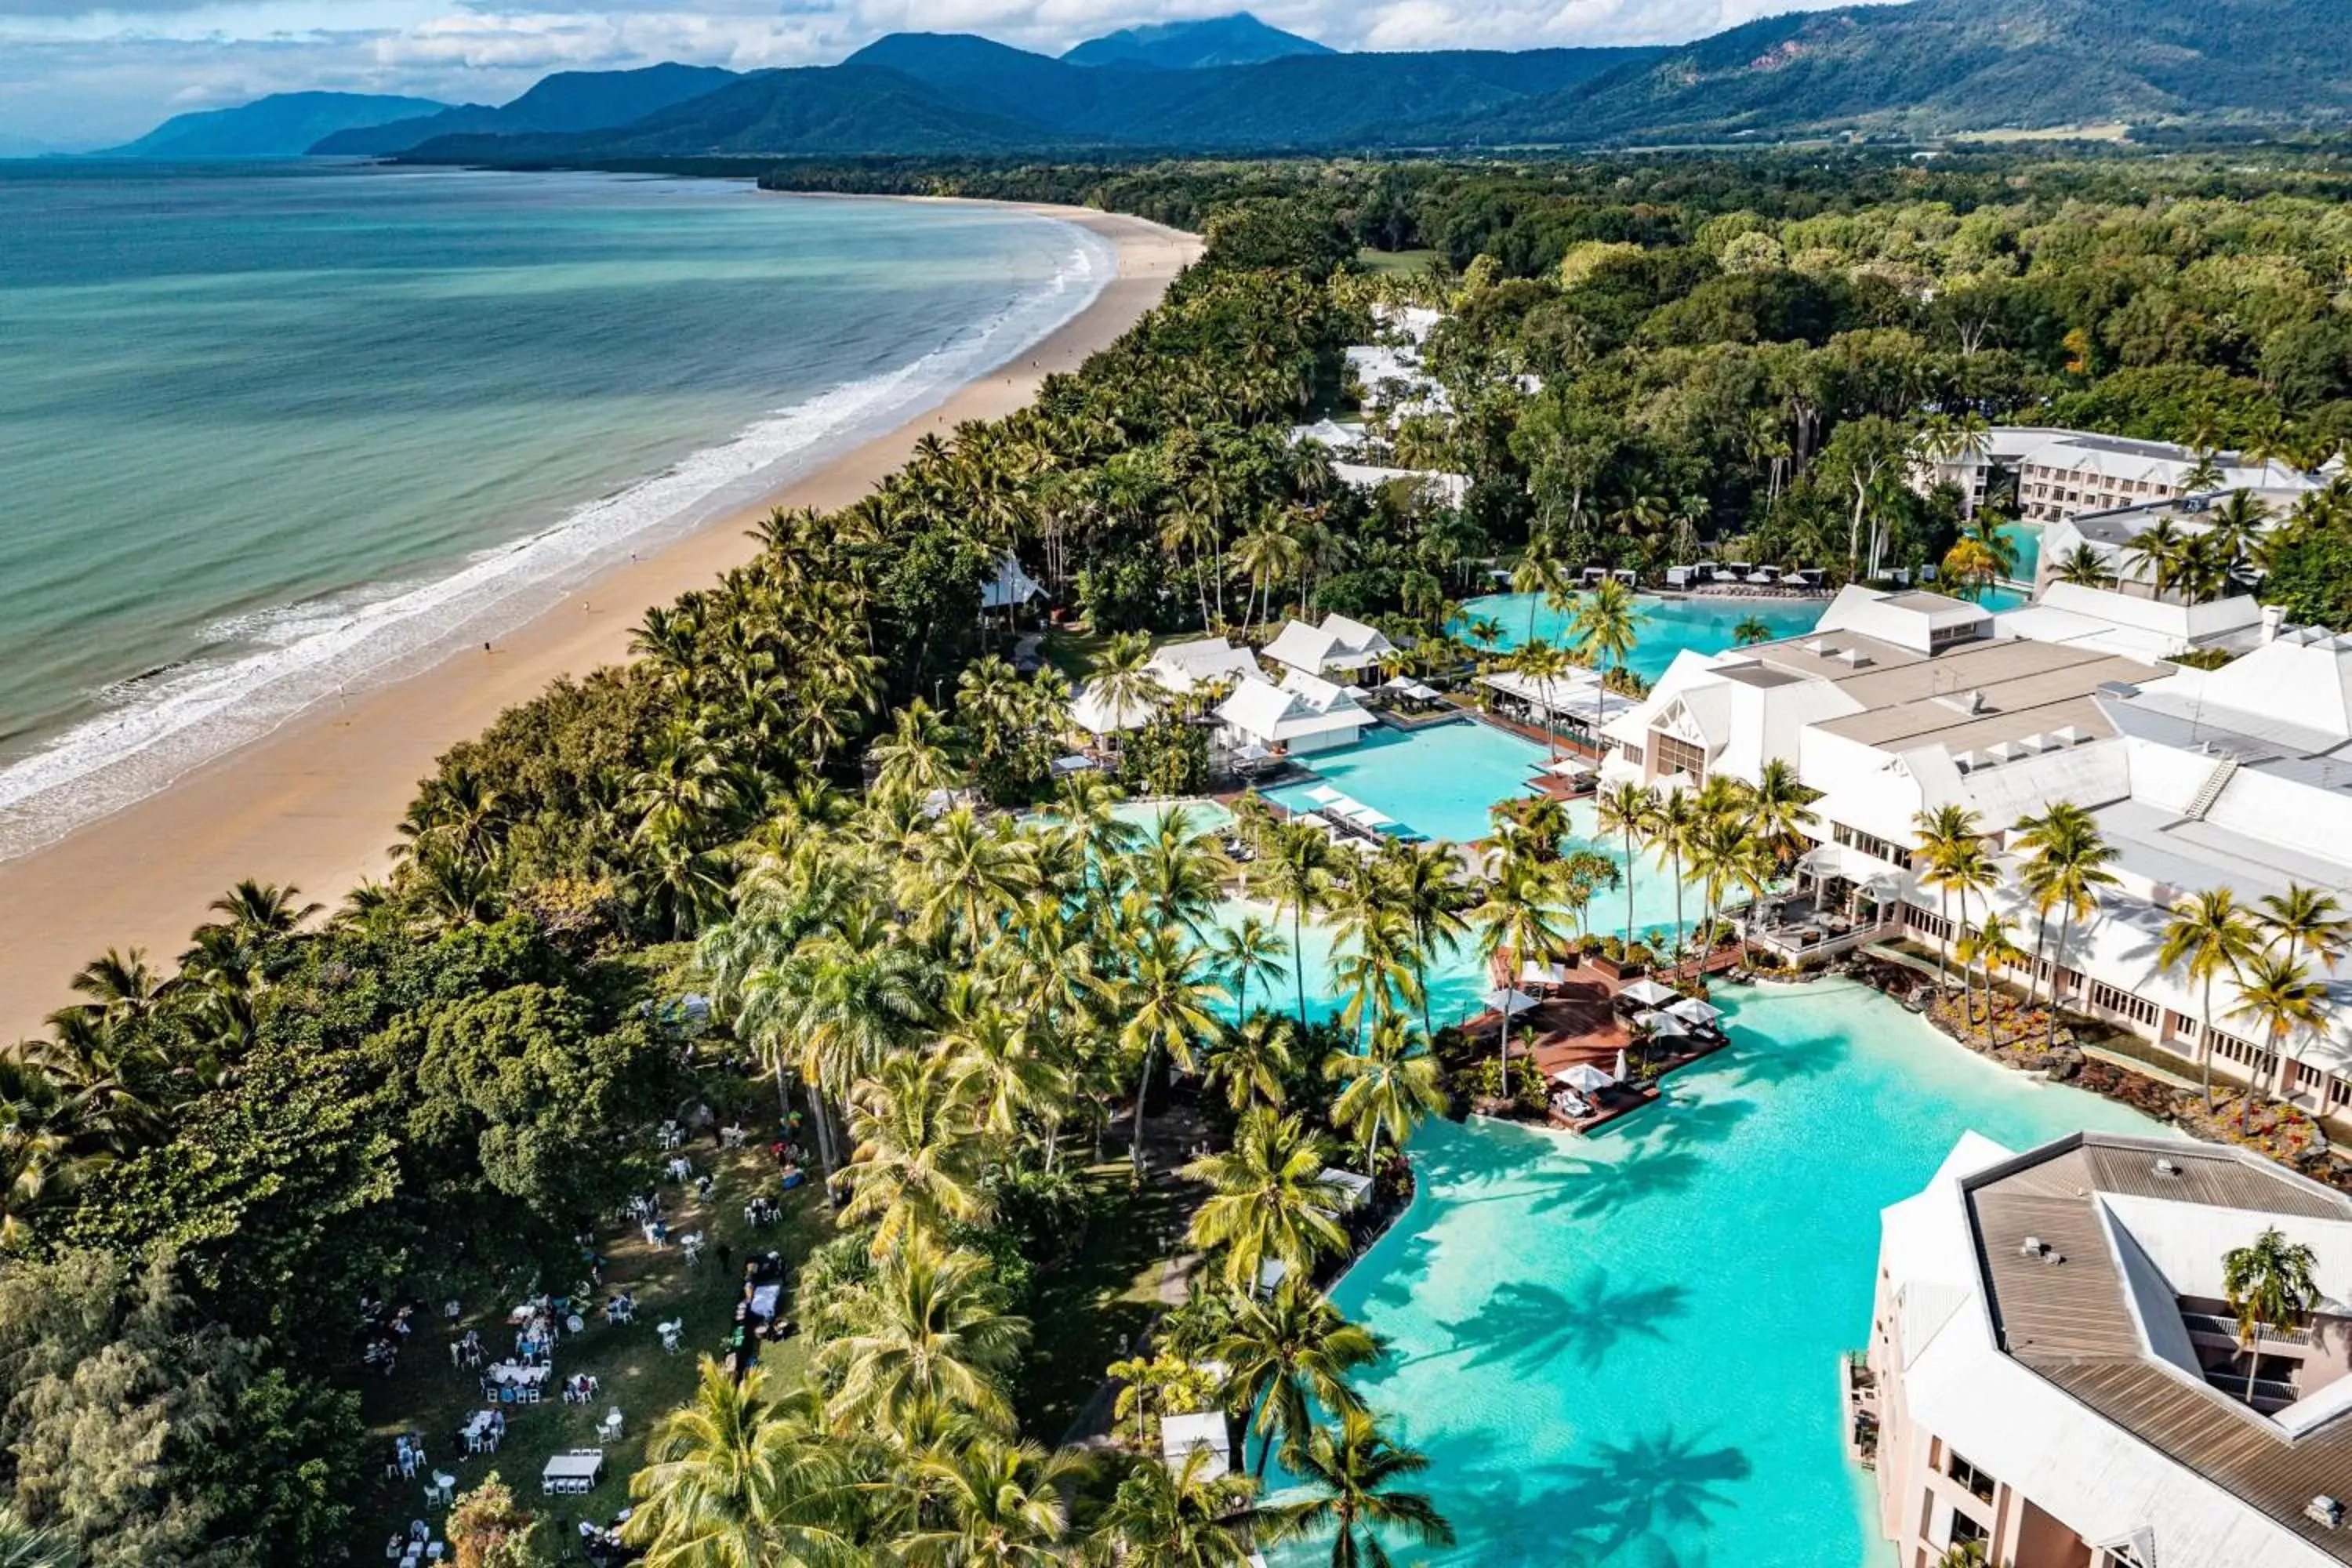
[[571, 1472], [507, 1372]]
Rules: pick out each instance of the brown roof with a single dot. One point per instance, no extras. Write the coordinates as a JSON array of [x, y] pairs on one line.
[[2070, 1322]]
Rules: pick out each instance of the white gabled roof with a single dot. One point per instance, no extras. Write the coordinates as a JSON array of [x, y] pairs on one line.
[[1301, 706], [1182, 665], [1449, 488], [1092, 713], [1301, 647], [1010, 587], [1340, 641]]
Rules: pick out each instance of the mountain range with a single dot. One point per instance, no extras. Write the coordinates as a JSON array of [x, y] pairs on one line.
[[285, 124], [1929, 68]]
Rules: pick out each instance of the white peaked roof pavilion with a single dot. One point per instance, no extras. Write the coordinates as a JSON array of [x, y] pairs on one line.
[[1304, 706], [1448, 488], [1010, 587], [1340, 643], [1204, 1430], [1182, 665]]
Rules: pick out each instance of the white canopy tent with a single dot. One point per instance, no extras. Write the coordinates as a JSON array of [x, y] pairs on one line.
[[1648, 992], [1691, 1010], [1665, 1026]]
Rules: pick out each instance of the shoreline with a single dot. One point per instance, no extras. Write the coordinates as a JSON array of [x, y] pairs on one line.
[[315, 801]]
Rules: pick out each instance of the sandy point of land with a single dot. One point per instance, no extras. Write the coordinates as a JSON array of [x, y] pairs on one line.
[[315, 802]]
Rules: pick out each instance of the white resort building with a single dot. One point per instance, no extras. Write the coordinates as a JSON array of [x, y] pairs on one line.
[[2238, 778], [2059, 473], [2054, 1370], [1340, 646], [1176, 669], [2109, 533], [1305, 714]]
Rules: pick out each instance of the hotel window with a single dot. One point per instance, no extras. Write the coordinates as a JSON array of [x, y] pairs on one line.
[[1678, 756], [2138, 1009], [1973, 1481], [1869, 844], [1965, 1529], [1631, 753]]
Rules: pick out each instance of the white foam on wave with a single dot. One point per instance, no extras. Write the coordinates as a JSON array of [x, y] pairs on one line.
[[159, 727]]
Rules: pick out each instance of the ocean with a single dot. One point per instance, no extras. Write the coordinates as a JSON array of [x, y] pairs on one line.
[[273, 432]]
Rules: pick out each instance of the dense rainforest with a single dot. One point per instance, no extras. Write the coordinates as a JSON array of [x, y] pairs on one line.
[[437, 1088]]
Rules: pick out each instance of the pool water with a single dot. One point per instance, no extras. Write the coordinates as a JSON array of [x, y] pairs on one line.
[[2025, 538], [1668, 628], [1619, 1350], [1437, 781]]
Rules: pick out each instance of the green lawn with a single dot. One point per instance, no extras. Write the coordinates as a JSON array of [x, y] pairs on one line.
[[1411, 261], [428, 1394], [1106, 1293]]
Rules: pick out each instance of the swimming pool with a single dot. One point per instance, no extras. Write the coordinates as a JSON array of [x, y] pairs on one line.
[[1437, 781], [1669, 626], [1618, 1350]]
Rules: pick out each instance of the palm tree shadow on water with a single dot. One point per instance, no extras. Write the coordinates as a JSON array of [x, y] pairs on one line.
[[1758, 1063], [1645, 1502], [1532, 1327]]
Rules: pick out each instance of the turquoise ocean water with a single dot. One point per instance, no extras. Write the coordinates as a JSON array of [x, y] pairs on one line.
[[272, 432], [1618, 1352]]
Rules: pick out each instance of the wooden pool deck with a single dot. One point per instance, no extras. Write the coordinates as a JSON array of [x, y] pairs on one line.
[[1579, 1024]]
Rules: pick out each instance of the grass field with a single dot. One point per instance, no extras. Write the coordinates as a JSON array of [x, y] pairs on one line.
[[1394, 260], [428, 1394]]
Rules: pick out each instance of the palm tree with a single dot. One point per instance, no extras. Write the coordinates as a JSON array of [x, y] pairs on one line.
[[2279, 994], [1181, 1517], [914, 1169], [1421, 886], [2068, 869], [1252, 1062], [1626, 809], [2304, 920], [1288, 1353], [1518, 920], [1607, 627], [2084, 567], [1393, 1083], [1989, 945], [736, 1479], [1123, 682], [917, 755], [1248, 950], [1168, 998], [1750, 631], [24, 1545], [1268, 1198], [1004, 1067], [1673, 827], [1945, 832], [1538, 575], [997, 1505], [2207, 935], [2156, 553], [2270, 1284], [927, 1333], [1779, 806], [1296, 865], [1354, 1467]]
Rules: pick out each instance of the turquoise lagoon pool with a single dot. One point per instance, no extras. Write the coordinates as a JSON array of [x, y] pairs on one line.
[[1701, 626], [1437, 781], [1619, 1350]]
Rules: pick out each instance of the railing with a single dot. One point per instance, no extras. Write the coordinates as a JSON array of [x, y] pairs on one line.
[[2216, 1323]]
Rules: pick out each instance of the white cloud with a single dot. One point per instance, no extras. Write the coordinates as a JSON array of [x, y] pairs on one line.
[[77, 73]]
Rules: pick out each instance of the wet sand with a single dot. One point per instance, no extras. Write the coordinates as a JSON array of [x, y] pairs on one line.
[[314, 804]]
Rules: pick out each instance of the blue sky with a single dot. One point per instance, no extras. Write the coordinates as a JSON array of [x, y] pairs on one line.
[[74, 75]]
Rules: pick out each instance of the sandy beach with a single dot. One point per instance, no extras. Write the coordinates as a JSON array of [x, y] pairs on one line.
[[314, 804]]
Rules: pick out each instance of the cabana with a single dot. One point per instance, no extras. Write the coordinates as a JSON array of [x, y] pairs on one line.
[[1583, 1078], [1355, 1187], [1664, 1026], [1101, 716]]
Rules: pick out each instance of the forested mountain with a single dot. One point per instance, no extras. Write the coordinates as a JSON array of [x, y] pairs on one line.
[[1927, 67], [568, 101], [1937, 66], [1240, 39], [844, 109], [283, 125], [955, 92]]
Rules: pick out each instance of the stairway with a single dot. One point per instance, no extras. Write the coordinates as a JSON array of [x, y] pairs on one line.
[[2210, 790]]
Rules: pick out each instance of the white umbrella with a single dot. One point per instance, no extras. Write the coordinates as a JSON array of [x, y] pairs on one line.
[[1536, 973], [1648, 992], [1665, 1026], [1508, 1001], [1691, 1010], [1584, 1078], [1621, 1064]]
